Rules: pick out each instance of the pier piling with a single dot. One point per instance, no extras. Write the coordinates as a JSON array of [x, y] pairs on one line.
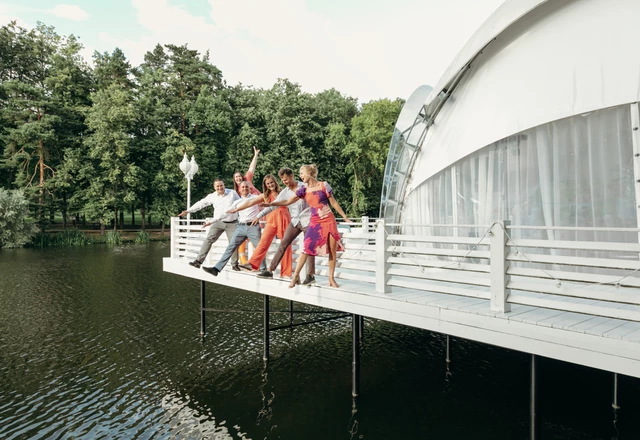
[[355, 366], [534, 433], [265, 353], [202, 308]]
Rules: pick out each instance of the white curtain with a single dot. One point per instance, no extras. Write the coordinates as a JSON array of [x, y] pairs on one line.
[[572, 172]]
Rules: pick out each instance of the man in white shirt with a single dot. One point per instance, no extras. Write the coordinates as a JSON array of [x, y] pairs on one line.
[[245, 229], [221, 199]]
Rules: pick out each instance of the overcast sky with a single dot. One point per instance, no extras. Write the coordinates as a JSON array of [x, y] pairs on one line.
[[367, 49]]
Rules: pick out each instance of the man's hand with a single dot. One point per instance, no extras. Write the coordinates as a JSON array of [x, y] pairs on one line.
[[185, 212], [255, 150], [255, 222], [206, 225], [231, 211]]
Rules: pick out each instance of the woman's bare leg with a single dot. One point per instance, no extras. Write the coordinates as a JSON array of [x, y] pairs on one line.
[[332, 261]]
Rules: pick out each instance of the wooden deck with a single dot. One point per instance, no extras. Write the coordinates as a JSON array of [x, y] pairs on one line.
[[589, 317]]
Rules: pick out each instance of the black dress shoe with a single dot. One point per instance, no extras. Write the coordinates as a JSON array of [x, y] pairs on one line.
[[236, 267], [246, 267], [195, 263], [265, 274], [212, 270], [309, 280]]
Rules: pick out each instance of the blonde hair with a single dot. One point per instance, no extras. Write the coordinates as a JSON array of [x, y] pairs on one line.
[[266, 192], [312, 169]]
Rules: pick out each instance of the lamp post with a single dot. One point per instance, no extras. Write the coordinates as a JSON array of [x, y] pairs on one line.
[[189, 169]]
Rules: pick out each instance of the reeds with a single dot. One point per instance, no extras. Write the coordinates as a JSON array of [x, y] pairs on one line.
[[69, 237]]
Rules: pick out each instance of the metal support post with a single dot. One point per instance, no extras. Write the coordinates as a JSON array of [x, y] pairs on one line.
[[291, 313], [448, 350], [203, 306], [265, 353], [361, 332], [615, 392], [355, 366], [534, 433]]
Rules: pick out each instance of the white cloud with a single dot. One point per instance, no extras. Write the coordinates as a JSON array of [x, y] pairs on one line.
[[7, 16], [370, 54], [70, 12]]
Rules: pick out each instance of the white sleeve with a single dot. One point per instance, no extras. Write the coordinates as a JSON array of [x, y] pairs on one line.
[[207, 201]]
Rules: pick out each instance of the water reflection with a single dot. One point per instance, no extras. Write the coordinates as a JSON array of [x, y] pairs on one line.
[[353, 422], [267, 396], [99, 342]]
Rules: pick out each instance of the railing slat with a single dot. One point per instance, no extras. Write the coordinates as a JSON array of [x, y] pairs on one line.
[[590, 291], [599, 263], [575, 245], [439, 239]]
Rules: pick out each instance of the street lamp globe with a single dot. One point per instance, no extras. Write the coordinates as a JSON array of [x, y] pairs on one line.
[[185, 166], [193, 168], [189, 168]]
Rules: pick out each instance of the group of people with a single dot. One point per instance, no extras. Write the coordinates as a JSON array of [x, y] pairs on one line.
[[299, 207]]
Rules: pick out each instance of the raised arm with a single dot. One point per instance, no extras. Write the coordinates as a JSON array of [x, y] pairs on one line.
[[254, 162], [247, 204]]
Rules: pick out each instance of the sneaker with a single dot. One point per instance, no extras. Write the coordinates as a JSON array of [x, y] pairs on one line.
[[309, 280], [195, 263], [265, 274], [246, 267], [212, 270], [236, 267]]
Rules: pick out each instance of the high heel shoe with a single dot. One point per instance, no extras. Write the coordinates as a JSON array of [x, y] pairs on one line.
[[295, 280], [332, 283]]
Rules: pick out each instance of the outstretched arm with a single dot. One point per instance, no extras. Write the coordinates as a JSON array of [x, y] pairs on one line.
[[247, 204], [338, 209], [283, 202]]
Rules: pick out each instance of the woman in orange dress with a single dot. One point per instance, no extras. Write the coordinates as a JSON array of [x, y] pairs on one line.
[[277, 222], [238, 178], [322, 236]]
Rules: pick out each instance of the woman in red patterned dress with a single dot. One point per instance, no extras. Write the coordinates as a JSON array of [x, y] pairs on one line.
[[322, 236]]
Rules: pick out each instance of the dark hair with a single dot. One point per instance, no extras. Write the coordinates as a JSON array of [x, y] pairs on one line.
[[218, 179], [285, 170], [236, 187]]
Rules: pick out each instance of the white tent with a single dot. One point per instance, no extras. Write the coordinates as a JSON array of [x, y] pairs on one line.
[[534, 121]]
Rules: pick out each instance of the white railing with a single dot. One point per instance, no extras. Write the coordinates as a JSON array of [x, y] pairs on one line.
[[497, 262]]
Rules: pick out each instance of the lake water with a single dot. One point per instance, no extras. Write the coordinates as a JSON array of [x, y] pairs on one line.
[[98, 342]]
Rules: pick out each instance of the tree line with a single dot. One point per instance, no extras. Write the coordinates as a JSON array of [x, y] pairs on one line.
[[102, 140]]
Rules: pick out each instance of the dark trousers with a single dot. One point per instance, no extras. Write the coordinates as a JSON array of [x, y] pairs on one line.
[[289, 235]]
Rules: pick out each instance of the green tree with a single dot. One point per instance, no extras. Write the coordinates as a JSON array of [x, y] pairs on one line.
[[70, 82], [152, 124], [367, 153], [188, 73], [29, 135], [112, 177], [15, 229], [212, 115], [169, 185]]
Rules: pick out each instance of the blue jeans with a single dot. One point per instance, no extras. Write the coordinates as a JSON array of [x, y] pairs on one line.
[[242, 232]]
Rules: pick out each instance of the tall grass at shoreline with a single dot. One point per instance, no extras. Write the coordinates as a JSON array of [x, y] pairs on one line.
[[76, 237], [69, 237]]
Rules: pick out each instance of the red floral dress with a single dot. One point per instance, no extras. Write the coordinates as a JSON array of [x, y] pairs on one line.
[[316, 239]]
